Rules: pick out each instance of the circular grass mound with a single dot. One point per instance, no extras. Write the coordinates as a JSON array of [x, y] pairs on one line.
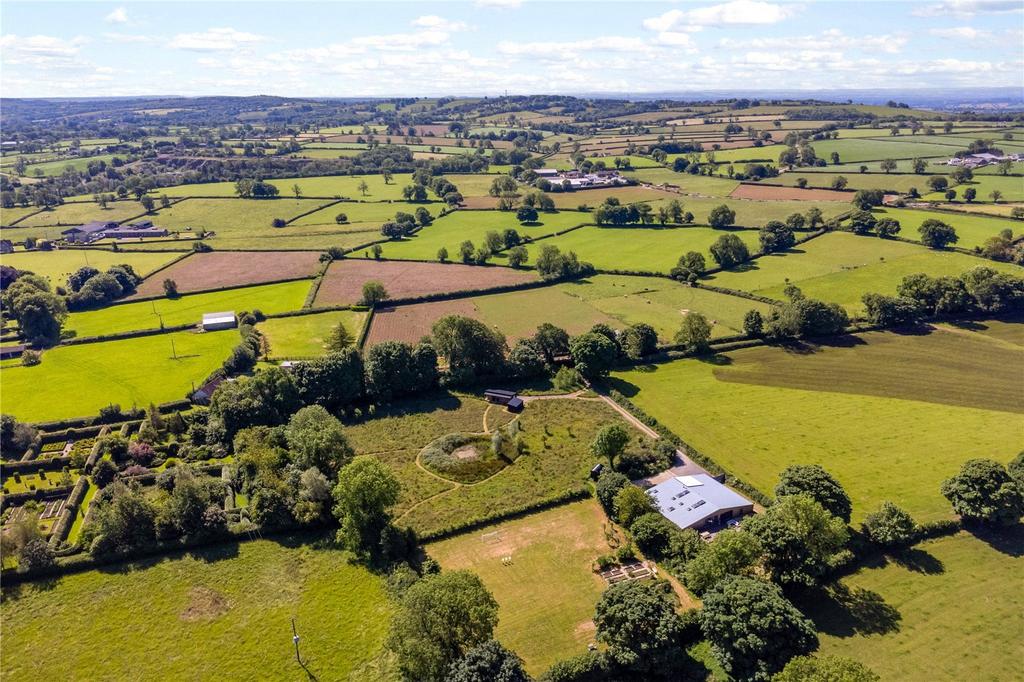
[[462, 457]]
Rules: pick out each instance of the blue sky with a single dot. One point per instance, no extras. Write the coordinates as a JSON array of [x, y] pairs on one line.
[[490, 46]]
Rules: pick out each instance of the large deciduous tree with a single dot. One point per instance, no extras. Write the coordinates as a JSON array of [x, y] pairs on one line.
[[753, 629], [440, 620], [813, 480], [984, 492], [799, 538], [640, 625]]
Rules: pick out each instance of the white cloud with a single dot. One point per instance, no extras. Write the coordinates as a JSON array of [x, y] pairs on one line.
[[215, 40], [675, 39], [41, 51], [831, 39], [966, 8], [118, 16], [960, 33], [734, 13], [552, 49], [501, 4], [432, 21]]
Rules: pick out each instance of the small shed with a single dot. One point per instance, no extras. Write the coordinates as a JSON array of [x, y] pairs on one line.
[[514, 405], [499, 396], [215, 321]]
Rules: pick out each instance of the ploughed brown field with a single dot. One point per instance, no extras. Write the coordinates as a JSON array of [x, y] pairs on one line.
[[774, 193], [343, 283], [202, 271], [410, 323]]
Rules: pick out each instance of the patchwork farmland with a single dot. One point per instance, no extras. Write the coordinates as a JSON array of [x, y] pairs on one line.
[[401, 370]]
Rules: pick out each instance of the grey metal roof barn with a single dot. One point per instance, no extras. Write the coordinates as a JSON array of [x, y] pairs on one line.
[[212, 321], [698, 500]]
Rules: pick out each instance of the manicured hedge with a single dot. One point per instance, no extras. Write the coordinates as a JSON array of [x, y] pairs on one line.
[[68, 514]]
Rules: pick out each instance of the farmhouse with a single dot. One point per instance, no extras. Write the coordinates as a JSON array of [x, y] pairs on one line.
[[698, 501], [574, 179], [140, 230], [89, 232], [215, 321], [983, 159]]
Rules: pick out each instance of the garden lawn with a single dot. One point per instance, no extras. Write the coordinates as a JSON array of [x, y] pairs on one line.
[[961, 617], [211, 614], [76, 381], [639, 248], [451, 230], [56, 266], [841, 267], [547, 593], [66, 215], [889, 416], [188, 309], [301, 336]]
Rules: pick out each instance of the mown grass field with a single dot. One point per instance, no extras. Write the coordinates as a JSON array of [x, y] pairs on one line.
[[546, 595], [952, 610], [841, 267], [304, 335], [57, 167], [212, 614], [890, 416], [451, 230], [189, 309], [639, 248], [57, 265], [76, 381]]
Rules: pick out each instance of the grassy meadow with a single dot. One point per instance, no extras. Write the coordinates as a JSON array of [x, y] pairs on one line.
[[304, 335], [841, 267], [216, 613], [546, 595], [76, 381], [169, 312], [875, 410], [76, 213], [56, 266], [949, 609]]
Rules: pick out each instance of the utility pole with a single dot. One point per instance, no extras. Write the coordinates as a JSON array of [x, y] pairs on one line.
[[295, 641], [174, 353]]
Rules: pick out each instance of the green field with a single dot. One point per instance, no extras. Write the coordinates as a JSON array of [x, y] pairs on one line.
[[79, 212], [899, 183], [316, 186], [303, 335], [76, 381], [451, 230], [618, 300], [57, 167], [875, 410], [639, 248], [188, 309], [700, 185], [841, 267], [556, 433], [1012, 188], [57, 265], [871, 149], [972, 230], [546, 595], [369, 212], [951, 611], [216, 613]]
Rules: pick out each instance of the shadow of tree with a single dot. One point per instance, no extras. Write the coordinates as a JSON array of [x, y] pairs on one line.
[[624, 387], [841, 611], [918, 560], [1009, 541]]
